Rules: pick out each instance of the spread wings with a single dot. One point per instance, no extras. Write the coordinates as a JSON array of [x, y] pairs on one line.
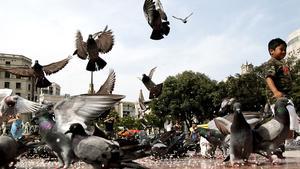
[[4, 93], [151, 72], [81, 46], [56, 66], [149, 8], [20, 105], [82, 108], [27, 71], [109, 84], [24, 71], [105, 40]]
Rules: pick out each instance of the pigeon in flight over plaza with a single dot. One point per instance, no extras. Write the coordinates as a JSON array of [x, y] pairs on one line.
[[154, 89], [12, 105], [184, 20], [156, 18], [38, 71], [100, 42]]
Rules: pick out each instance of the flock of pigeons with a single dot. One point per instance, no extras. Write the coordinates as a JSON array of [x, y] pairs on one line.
[[71, 136]]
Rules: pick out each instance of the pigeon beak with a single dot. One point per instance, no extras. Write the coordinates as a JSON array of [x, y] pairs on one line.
[[67, 132]]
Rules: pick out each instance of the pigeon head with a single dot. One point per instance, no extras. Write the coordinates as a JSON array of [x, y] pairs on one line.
[[10, 101], [77, 129], [145, 78], [237, 107], [37, 66]]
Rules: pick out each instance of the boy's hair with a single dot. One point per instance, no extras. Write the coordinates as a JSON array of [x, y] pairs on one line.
[[276, 42]]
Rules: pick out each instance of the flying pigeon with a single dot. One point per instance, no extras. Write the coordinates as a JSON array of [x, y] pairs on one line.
[[102, 42], [156, 18], [11, 105], [38, 71], [241, 137], [96, 151], [155, 89], [184, 20]]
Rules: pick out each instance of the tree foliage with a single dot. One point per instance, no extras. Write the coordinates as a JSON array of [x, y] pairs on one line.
[[187, 94]]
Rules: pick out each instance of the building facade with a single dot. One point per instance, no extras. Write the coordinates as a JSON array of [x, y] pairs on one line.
[[293, 44], [22, 86]]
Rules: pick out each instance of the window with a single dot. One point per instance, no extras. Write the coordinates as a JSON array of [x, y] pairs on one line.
[[28, 97], [28, 87], [18, 77], [19, 94], [51, 90], [7, 62], [7, 75], [18, 85], [6, 85]]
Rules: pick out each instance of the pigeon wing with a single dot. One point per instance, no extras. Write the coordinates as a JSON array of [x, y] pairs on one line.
[[177, 18], [82, 108], [151, 72], [105, 41], [109, 84], [24, 71], [149, 7], [161, 10], [4, 93], [223, 125], [81, 46], [270, 130], [188, 16], [56, 66]]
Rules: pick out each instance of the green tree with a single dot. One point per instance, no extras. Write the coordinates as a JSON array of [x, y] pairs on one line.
[[186, 94]]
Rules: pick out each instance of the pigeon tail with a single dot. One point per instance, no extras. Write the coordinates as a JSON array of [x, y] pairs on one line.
[[166, 28], [95, 64], [156, 35], [155, 91], [42, 82]]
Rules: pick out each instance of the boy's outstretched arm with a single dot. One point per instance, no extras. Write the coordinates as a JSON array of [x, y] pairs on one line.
[[272, 87]]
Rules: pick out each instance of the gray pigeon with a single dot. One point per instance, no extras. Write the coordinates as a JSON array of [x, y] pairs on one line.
[[184, 20], [270, 135], [12, 105], [156, 18], [102, 42], [59, 143], [97, 151], [154, 89], [10, 149], [76, 109], [215, 138], [241, 137]]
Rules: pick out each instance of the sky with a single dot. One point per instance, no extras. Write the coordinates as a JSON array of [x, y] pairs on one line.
[[218, 38]]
